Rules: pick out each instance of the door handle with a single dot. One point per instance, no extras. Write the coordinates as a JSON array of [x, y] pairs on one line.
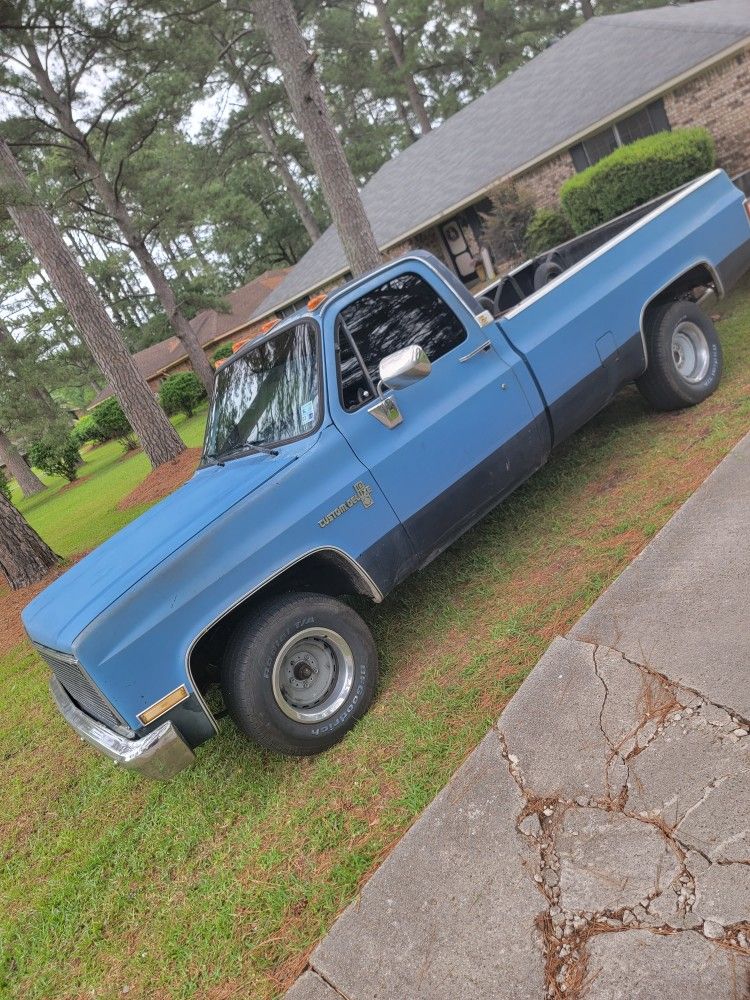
[[477, 350]]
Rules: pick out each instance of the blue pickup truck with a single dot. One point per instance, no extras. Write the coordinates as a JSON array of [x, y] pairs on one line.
[[346, 448]]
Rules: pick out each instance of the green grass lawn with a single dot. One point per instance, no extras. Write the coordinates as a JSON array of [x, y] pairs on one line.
[[217, 884], [73, 519]]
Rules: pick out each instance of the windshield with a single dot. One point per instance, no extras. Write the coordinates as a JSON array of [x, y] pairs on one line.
[[267, 396]]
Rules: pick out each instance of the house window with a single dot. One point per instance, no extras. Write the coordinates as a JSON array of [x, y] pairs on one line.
[[647, 121]]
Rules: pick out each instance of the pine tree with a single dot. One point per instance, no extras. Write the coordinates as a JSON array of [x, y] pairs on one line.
[[24, 557], [11, 458], [92, 168], [297, 65], [158, 437]]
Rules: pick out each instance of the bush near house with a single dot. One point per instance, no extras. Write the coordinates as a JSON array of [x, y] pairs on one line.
[[85, 430], [634, 174], [57, 455], [4, 485], [181, 393], [547, 229], [111, 423], [222, 353], [504, 227]]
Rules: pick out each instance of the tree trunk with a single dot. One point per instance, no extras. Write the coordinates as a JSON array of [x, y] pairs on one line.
[[268, 138], [399, 57], [293, 189], [18, 469], [24, 557], [587, 9], [81, 151], [279, 24], [158, 437], [404, 116]]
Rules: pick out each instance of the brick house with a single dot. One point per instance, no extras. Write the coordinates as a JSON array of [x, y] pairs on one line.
[[214, 330], [613, 80]]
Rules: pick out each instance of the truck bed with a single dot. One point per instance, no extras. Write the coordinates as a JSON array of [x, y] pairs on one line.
[[582, 335]]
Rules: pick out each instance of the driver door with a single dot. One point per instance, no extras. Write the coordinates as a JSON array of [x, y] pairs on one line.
[[467, 434]]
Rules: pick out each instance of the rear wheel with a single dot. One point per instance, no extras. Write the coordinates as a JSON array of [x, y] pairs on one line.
[[684, 357], [299, 672]]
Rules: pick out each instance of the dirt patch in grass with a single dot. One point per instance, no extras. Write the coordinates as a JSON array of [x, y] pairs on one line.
[[163, 480], [12, 603]]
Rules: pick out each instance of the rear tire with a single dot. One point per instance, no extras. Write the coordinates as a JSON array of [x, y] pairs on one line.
[[684, 357], [299, 672]]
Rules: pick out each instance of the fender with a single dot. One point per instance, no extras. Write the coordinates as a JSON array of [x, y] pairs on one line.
[[369, 584], [720, 293]]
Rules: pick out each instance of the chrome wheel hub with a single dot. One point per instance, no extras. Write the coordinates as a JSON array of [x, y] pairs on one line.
[[690, 352], [313, 675]]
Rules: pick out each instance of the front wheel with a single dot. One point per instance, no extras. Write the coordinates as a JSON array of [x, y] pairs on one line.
[[684, 357], [299, 672]]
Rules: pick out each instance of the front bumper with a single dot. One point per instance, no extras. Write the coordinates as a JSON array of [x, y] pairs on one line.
[[159, 754]]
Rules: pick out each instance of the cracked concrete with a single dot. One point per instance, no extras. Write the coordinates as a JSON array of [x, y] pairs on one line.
[[597, 843]]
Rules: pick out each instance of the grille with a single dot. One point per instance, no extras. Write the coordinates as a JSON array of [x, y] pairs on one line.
[[85, 694]]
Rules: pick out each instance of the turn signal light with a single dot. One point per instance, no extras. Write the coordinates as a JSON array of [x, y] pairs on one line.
[[164, 704], [238, 344], [315, 301], [268, 325]]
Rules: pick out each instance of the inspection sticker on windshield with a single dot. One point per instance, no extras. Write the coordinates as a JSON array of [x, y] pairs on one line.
[[307, 412]]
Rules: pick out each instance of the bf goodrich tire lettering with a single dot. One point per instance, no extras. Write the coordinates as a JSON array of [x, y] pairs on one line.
[[684, 357], [299, 672]]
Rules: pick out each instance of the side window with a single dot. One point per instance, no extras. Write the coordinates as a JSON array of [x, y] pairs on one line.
[[405, 310]]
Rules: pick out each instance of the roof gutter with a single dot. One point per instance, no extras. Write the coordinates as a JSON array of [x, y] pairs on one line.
[[548, 154]]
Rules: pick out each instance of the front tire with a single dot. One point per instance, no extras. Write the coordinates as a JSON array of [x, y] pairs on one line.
[[684, 357], [299, 672]]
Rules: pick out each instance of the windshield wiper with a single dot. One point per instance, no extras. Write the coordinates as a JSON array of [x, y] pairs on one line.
[[256, 449]]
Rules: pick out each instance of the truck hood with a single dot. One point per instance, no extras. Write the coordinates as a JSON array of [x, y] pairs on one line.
[[75, 599]]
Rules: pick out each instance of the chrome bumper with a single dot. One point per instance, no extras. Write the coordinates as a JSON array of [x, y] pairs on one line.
[[159, 754]]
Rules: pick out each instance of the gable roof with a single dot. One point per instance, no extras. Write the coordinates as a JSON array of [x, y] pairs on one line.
[[209, 325], [601, 69]]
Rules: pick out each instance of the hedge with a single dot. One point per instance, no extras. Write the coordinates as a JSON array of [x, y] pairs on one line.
[[85, 430], [110, 422], [547, 229], [181, 393], [222, 353], [634, 174]]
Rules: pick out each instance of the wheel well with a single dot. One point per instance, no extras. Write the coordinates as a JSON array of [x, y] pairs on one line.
[[692, 284], [325, 572]]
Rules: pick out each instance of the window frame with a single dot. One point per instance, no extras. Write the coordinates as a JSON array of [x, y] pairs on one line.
[[303, 321], [340, 322], [658, 120]]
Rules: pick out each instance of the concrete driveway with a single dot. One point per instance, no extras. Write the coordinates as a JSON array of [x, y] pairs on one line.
[[597, 842]]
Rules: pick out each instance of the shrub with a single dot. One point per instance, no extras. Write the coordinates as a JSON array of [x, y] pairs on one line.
[[547, 229], [57, 455], [634, 174], [181, 393], [85, 430], [505, 226], [111, 423], [221, 353], [4, 485]]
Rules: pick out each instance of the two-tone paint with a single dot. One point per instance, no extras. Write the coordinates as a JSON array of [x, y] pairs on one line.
[[134, 612]]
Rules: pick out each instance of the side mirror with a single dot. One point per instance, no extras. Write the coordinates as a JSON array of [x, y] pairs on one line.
[[405, 367]]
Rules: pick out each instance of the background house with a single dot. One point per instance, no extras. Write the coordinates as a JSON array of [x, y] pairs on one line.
[[613, 80], [214, 330]]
